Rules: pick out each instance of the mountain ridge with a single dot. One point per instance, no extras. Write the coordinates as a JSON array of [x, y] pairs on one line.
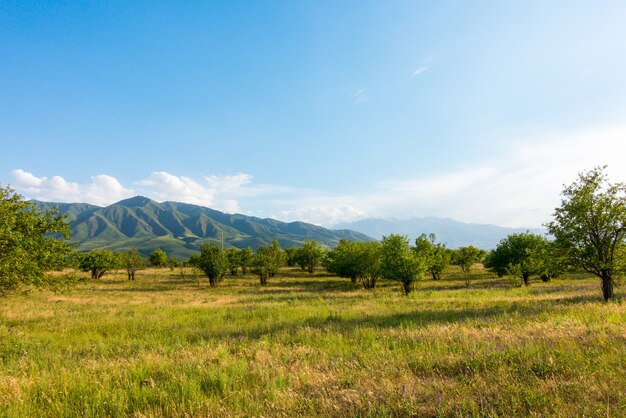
[[181, 228]]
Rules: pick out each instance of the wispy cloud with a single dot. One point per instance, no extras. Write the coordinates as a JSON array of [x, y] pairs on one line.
[[420, 70], [359, 97]]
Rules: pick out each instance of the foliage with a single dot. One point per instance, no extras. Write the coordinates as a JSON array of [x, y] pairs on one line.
[[291, 256], [232, 257], [98, 262], [400, 263], [590, 226], [343, 260], [31, 242], [369, 260], [246, 259], [436, 254], [524, 254], [212, 261], [466, 257], [132, 261], [158, 258], [267, 261], [310, 255]]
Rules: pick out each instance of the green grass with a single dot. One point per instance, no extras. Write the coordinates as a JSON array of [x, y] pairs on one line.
[[313, 346]]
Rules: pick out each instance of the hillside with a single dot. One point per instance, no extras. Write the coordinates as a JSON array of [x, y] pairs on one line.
[[180, 228], [452, 233]]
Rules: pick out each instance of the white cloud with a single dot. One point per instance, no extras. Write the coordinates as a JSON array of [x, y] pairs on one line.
[[517, 184], [162, 186], [102, 190], [420, 70]]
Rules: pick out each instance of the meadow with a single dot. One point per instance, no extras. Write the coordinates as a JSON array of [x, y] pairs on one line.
[[167, 345]]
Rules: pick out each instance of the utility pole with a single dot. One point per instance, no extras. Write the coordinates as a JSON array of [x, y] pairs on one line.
[[222, 240]]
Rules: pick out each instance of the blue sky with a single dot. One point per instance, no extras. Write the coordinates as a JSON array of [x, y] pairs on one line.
[[316, 111]]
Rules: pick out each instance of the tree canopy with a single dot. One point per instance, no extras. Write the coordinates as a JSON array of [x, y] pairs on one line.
[[590, 226], [32, 241], [399, 263], [522, 255]]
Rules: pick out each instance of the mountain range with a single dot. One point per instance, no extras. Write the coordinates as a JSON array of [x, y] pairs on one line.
[[452, 233], [180, 228]]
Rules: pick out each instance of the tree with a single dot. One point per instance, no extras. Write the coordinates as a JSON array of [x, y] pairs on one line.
[[246, 258], [132, 261], [212, 261], [32, 242], [437, 256], [369, 260], [267, 261], [232, 256], [399, 263], [291, 256], [311, 253], [466, 257], [522, 255], [158, 258], [98, 262], [343, 260], [590, 226]]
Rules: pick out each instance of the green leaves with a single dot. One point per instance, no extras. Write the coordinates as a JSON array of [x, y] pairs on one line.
[[32, 242], [590, 226], [400, 263], [212, 261]]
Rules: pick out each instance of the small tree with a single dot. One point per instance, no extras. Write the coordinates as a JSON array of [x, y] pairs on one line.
[[466, 257], [232, 255], [267, 261], [212, 261], [590, 226], [343, 260], [436, 255], [32, 242], [246, 258], [291, 256], [523, 254], [311, 253], [132, 261], [158, 258], [399, 263], [369, 260], [98, 262]]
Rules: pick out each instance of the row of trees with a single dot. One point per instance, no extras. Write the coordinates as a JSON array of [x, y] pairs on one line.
[[589, 231]]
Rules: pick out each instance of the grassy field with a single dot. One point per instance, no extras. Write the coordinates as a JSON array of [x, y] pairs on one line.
[[317, 345]]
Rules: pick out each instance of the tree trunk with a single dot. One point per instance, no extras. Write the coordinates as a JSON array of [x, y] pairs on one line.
[[407, 287], [607, 285], [526, 278]]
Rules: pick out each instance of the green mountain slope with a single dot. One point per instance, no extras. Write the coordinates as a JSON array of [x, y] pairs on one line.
[[180, 228]]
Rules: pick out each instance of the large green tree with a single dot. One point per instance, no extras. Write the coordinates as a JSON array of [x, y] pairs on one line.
[[212, 261], [399, 263], [343, 260], [32, 242], [98, 262], [522, 255], [590, 226]]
